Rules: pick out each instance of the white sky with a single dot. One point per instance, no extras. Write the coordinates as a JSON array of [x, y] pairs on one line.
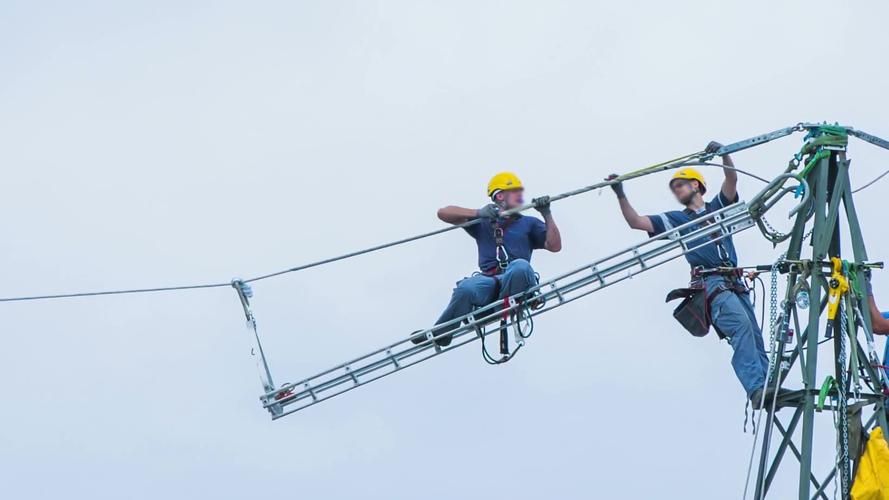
[[163, 143]]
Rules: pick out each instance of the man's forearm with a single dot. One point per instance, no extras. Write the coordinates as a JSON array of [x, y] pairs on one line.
[[730, 172], [456, 215], [553, 236], [879, 324], [634, 220]]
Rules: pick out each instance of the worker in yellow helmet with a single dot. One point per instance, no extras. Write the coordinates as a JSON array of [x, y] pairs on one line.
[[505, 244], [714, 270]]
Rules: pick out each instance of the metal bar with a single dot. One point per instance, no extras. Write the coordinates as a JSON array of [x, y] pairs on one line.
[[818, 184], [779, 453], [827, 480], [872, 139], [796, 452], [753, 141]]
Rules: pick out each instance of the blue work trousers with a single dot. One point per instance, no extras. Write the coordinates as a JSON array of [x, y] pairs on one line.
[[732, 314], [480, 290]]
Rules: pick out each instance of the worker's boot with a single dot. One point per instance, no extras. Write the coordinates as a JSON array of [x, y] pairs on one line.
[[757, 401], [417, 338], [442, 339]]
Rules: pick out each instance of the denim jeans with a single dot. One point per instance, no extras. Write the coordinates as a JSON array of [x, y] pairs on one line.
[[732, 314], [479, 290]]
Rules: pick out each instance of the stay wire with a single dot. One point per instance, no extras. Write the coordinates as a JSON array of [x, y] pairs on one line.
[[869, 184], [658, 167], [681, 161]]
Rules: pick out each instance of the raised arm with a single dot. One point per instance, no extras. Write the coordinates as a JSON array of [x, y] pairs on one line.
[[634, 220], [730, 184], [553, 241], [878, 322], [458, 215]]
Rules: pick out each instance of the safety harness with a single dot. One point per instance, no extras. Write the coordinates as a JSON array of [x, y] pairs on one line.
[[523, 321]]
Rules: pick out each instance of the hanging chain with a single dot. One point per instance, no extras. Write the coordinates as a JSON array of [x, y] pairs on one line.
[[773, 316], [842, 402], [775, 233]]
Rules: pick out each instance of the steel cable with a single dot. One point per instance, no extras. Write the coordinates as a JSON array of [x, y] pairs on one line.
[[682, 161]]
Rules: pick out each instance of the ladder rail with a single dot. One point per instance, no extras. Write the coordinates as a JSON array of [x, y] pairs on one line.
[[621, 265]]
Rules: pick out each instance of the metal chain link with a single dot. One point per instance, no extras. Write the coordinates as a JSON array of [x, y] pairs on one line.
[[779, 234], [842, 401], [773, 316]]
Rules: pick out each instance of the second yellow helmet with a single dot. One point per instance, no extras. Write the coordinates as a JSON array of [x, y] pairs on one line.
[[504, 181], [690, 174]]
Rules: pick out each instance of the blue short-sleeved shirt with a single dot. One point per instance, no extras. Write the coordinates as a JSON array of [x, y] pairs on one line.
[[521, 236], [718, 253]]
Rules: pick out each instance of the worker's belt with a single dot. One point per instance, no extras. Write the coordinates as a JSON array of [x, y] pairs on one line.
[[728, 272]]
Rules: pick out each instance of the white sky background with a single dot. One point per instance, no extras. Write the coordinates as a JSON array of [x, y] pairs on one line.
[[170, 143]]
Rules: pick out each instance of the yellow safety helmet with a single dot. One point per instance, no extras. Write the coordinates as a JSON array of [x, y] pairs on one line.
[[504, 181], [690, 174]]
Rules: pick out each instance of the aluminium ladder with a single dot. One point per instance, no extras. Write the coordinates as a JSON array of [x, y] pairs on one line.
[[556, 292]]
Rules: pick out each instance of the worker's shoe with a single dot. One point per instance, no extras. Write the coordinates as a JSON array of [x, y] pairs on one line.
[[757, 400], [536, 301], [444, 340], [419, 336]]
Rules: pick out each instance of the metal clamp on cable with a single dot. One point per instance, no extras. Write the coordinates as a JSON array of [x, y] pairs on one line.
[[245, 293]]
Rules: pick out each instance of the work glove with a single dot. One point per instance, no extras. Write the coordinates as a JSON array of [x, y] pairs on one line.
[[618, 187], [712, 147], [542, 205], [489, 211]]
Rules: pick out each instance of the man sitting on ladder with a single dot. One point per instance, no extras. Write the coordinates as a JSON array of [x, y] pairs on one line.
[[504, 245], [731, 312]]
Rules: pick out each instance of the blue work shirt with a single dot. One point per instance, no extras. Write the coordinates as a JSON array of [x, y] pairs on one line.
[[521, 236], [717, 253]]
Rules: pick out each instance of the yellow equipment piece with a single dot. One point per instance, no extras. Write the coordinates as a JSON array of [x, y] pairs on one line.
[[872, 480], [504, 181], [839, 285], [690, 174]]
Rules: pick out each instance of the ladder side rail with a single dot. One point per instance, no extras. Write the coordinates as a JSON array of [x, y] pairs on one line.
[[739, 222], [495, 310]]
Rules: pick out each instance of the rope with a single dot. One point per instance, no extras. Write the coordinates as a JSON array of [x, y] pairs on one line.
[[115, 292], [681, 161], [657, 167]]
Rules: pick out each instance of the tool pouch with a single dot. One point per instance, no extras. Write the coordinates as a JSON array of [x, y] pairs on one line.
[[693, 312]]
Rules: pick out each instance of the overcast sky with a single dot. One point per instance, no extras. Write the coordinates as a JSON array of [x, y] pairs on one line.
[[156, 143]]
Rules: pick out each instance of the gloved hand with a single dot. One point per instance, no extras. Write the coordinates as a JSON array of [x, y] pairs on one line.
[[618, 188], [712, 147], [542, 205], [489, 211]]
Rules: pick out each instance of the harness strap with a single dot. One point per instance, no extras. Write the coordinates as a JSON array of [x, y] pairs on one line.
[[500, 252], [720, 244]]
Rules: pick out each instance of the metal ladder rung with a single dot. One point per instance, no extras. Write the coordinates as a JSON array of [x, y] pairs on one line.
[[352, 375], [392, 358], [557, 292]]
